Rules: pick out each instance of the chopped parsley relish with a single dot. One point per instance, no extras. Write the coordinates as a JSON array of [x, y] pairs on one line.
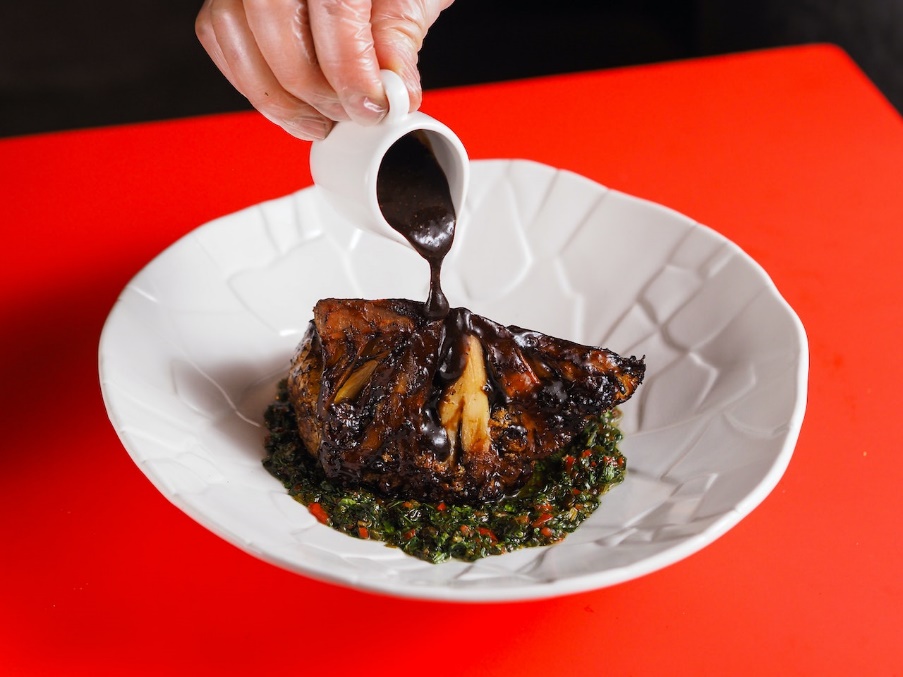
[[564, 490]]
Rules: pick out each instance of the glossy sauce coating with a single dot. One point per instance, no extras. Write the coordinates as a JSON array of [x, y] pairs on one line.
[[387, 434], [413, 194], [371, 379]]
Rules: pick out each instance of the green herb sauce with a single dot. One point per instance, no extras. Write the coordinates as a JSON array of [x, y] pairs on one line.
[[564, 490]]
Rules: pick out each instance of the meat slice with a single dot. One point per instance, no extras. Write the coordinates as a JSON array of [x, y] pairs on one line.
[[456, 409]]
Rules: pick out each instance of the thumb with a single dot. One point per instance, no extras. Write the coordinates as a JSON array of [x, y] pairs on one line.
[[399, 27]]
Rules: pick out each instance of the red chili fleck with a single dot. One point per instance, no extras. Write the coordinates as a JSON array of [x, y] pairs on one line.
[[363, 532], [544, 507], [569, 463], [318, 512], [441, 507], [488, 533], [464, 529], [587, 452], [542, 519], [545, 531], [409, 534], [575, 491]]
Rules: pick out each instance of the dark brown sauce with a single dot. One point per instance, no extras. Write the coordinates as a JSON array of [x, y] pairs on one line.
[[351, 458], [414, 196]]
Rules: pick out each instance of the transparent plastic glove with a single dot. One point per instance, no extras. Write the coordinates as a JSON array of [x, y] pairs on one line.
[[307, 63]]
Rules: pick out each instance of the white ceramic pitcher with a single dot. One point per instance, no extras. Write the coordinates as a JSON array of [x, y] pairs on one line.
[[345, 164]]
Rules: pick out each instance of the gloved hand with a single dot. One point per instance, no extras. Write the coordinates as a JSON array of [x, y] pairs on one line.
[[305, 63]]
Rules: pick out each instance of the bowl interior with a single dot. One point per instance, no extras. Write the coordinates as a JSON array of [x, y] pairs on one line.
[[192, 350]]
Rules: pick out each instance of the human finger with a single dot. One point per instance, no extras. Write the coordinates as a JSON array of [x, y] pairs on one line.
[[344, 46], [399, 27], [223, 30], [282, 32]]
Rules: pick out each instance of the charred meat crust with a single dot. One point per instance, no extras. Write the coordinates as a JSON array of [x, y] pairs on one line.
[[388, 399]]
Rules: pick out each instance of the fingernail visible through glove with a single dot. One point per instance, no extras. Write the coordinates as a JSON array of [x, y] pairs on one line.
[[307, 128]]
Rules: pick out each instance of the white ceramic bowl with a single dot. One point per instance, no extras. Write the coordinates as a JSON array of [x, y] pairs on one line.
[[192, 350]]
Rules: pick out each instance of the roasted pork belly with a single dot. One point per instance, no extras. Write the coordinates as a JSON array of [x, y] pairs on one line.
[[455, 409]]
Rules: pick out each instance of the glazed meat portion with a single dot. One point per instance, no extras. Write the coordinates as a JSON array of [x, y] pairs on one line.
[[455, 409]]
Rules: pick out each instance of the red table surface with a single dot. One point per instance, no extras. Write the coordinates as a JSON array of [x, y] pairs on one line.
[[791, 153]]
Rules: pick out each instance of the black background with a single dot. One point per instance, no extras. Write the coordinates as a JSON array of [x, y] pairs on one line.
[[68, 65]]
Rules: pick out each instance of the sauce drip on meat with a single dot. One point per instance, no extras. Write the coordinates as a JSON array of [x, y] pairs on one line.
[[395, 399], [548, 388], [457, 409], [413, 194], [414, 197]]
